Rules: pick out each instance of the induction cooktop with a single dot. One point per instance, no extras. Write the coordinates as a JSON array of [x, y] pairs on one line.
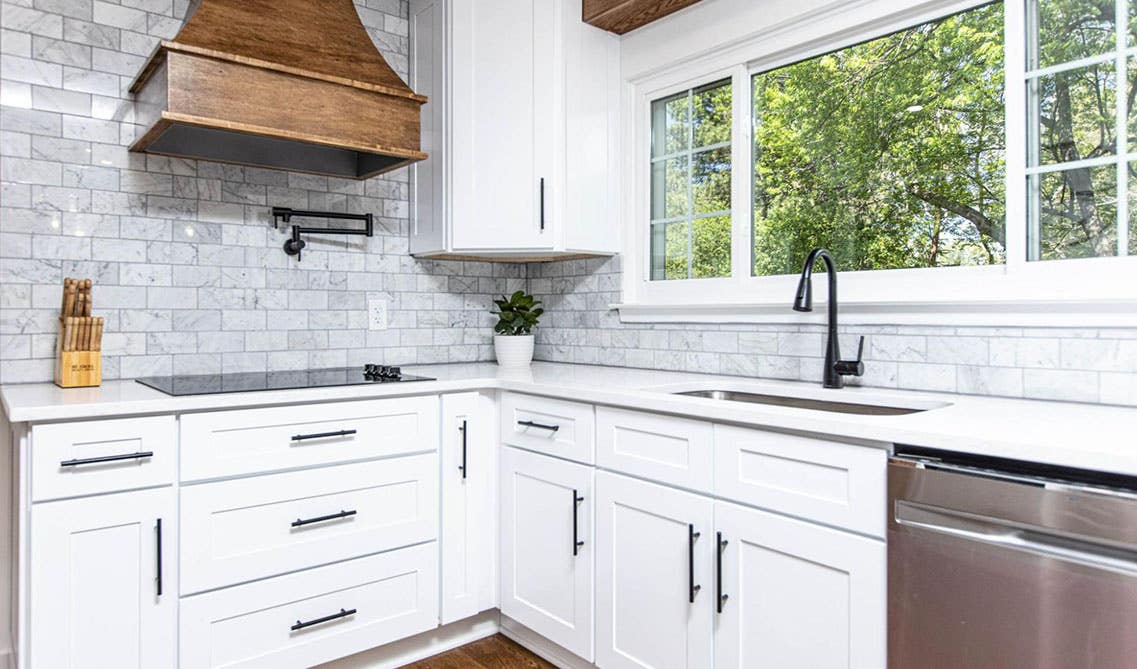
[[245, 382]]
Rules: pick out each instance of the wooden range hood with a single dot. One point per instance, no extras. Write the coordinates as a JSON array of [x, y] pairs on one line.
[[284, 84]]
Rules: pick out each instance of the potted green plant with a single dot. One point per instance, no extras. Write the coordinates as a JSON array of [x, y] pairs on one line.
[[513, 335]]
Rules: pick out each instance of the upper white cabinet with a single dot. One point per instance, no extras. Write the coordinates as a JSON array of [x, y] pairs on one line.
[[521, 129]]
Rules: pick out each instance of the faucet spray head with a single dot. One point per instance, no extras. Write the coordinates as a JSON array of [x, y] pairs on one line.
[[803, 300]]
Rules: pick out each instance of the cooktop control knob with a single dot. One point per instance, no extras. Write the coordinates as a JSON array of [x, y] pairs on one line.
[[382, 373]]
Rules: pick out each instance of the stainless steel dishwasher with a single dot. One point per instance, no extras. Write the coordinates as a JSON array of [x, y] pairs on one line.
[[1002, 564]]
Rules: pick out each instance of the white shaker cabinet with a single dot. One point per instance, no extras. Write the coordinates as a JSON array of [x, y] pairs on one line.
[[797, 594], [520, 127], [654, 576], [104, 580], [546, 547], [469, 505]]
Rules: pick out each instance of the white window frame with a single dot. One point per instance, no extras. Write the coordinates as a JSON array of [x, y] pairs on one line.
[[1084, 292]]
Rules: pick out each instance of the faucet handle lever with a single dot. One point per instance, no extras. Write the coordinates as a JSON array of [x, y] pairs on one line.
[[852, 367]]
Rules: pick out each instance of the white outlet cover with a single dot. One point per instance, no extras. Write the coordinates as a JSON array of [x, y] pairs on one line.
[[377, 314]]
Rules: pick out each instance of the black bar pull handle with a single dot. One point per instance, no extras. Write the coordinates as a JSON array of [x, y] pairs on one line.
[[539, 426], [542, 203], [158, 559], [316, 621], [692, 589], [107, 458], [463, 465], [300, 522], [720, 598], [576, 541], [323, 435]]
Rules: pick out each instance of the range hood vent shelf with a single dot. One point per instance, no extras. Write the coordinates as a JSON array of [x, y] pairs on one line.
[[283, 84]]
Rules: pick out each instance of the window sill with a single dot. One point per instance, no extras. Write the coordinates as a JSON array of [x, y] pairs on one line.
[[991, 313]]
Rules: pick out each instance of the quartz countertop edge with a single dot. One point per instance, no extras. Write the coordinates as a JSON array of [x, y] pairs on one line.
[[1087, 436]]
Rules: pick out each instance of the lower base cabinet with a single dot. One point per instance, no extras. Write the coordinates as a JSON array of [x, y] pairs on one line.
[[546, 547], [469, 506], [687, 582], [104, 578], [798, 594], [654, 573], [303, 619]]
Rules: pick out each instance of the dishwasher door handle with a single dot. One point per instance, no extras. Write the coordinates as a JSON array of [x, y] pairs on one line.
[[995, 532]]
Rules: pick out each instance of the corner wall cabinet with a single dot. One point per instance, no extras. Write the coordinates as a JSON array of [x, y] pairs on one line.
[[521, 129], [605, 537]]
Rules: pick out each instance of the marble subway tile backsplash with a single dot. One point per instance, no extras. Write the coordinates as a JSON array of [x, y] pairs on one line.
[[1085, 365], [188, 270]]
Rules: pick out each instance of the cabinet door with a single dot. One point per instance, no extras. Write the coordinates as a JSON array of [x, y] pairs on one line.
[[546, 547], [428, 77], [103, 593], [469, 518], [654, 571], [797, 594], [504, 124]]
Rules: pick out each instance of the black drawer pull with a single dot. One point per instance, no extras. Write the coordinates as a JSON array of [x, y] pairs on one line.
[[720, 597], [299, 522], [323, 435], [692, 588], [464, 440], [576, 542], [541, 426], [107, 458], [158, 578], [316, 621]]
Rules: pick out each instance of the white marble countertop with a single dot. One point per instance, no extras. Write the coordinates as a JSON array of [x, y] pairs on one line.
[[1089, 436]]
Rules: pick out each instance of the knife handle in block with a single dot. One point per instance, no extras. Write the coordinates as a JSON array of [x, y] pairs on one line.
[[65, 334]]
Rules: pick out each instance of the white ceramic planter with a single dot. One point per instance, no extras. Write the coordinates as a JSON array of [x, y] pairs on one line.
[[513, 351]]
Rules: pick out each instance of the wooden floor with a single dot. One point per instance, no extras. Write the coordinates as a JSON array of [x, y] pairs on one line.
[[495, 652]]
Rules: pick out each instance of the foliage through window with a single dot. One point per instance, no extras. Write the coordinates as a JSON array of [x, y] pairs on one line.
[[890, 153], [1079, 149], [690, 184]]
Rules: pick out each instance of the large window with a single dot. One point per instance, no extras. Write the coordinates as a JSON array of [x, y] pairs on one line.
[[889, 153], [690, 184], [1080, 174], [980, 153]]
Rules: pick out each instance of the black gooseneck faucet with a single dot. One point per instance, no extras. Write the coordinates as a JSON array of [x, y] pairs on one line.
[[836, 369]]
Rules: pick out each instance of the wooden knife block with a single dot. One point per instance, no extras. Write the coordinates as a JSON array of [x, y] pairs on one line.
[[77, 369]]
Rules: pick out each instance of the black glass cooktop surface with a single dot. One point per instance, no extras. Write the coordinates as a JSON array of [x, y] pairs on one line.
[[244, 382]]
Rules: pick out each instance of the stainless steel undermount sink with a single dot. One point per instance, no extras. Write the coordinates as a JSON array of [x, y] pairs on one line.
[[804, 403]]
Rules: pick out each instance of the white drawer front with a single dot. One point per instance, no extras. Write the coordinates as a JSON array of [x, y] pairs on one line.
[[393, 596], [828, 482], [89, 457], [556, 427], [232, 443], [662, 448], [241, 530]]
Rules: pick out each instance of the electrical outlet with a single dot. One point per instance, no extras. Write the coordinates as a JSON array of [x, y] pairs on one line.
[[377, 314]]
